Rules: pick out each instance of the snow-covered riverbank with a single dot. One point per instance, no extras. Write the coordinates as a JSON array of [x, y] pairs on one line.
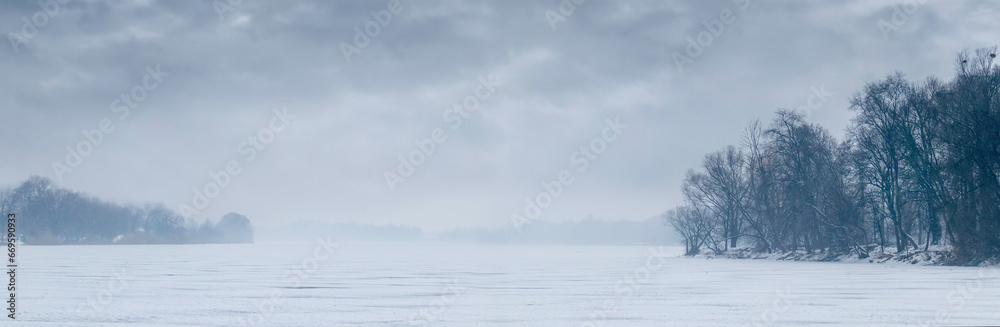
[[463, 285]]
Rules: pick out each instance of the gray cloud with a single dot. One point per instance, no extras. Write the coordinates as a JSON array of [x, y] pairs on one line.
[[354, 119]]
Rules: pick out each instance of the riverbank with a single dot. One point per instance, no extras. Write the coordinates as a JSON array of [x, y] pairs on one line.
[[933, 256]]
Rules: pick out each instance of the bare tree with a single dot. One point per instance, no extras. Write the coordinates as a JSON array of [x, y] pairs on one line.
[[878, 132], [920, 161], [685, 224]]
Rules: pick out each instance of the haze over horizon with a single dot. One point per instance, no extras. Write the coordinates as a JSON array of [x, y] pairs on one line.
[[209, 81]]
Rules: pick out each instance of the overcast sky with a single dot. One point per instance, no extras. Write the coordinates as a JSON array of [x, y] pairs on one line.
[[556, 79]]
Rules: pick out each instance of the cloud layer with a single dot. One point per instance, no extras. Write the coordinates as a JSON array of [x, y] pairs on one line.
[[228, 66]]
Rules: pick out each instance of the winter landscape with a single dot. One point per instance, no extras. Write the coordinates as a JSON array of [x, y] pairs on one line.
[[484, 285], [500, 163]]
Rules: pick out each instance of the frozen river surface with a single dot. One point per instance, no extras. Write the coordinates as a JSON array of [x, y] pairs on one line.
[[480, 285]]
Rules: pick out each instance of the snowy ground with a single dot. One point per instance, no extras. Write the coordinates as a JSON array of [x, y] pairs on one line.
[[479, 285]]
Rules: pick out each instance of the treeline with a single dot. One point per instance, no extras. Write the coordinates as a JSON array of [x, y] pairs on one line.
[[920, 166], [47, 214]]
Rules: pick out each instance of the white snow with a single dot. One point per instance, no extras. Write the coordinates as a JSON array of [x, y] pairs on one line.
[[481, 285]]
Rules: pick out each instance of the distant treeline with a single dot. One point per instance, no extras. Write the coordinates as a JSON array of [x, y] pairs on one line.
[[344, 231], [920, 166], [47, 214], [589, 231]]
